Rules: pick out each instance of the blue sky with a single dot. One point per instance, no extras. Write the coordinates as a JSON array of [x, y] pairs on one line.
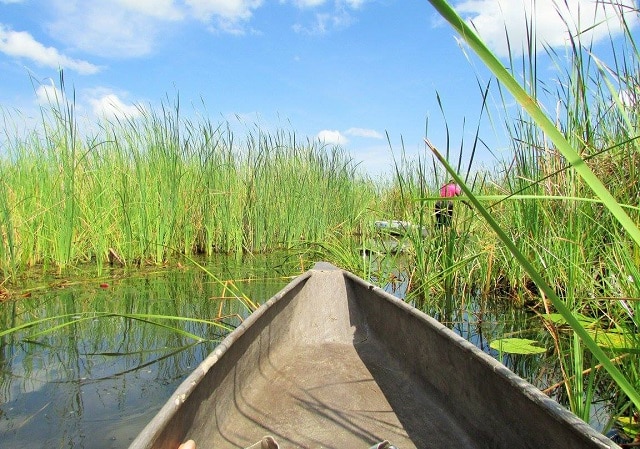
[[342, 71]]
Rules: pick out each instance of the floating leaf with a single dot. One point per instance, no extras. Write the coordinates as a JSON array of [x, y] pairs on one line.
[[629, 425], [614, 340], [559, 320], [517, 346]]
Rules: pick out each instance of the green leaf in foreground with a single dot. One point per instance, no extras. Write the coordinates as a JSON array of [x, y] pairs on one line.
[[572, 157], [517, 346], [538, 115]]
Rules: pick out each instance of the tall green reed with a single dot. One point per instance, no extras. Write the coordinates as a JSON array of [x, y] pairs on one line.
[[577, 139], [150, 188], [439, 258]]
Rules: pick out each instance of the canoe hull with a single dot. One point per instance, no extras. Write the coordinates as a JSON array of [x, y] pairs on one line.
[[332, 361]]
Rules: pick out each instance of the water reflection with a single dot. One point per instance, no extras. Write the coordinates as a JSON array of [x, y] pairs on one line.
[[97, 382]]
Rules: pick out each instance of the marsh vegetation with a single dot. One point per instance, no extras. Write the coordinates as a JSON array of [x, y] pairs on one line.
[[553, 230]]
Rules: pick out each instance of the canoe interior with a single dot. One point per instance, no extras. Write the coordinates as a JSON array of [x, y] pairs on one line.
[[332, 362]]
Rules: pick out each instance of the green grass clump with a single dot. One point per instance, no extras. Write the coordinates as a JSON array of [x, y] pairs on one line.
[[574, 232], [143, 190]]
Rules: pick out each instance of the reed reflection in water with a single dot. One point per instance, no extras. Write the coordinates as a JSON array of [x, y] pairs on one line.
[[96, 383]]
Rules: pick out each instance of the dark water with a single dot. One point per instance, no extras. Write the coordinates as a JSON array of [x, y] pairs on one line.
[[95, 383]]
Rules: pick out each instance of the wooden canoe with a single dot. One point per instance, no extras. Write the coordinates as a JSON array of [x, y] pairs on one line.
[[333, 362]]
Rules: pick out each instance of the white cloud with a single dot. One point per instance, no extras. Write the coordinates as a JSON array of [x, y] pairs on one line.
[[228, 16], [120, 33], [308, 3], [325, 22], [363, 132], [90, 103], [131, 27], [21, 44], [331, 137], [335, 137], [49, 94], [628, 98], [109, 105], [161, 9], [226, 9], [337, 16], [492, 17], [354, 4]]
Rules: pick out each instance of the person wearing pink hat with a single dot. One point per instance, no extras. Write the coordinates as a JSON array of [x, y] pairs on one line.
[[444, 207]]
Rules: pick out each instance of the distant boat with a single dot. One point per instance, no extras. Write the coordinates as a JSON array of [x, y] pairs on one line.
[[333, 362], [399, 228]]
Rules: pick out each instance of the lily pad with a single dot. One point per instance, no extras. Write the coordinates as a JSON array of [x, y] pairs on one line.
[[614, 340], [559, 320], [517, 346], [629, 425]]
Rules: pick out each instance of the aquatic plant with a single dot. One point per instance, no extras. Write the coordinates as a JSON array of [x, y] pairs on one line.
[[146, 189], [574, 224]]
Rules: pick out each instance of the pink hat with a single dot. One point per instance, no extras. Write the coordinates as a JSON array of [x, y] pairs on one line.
[[450, 190]]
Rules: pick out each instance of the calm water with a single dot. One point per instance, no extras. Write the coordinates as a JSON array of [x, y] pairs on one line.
[[97, 382]]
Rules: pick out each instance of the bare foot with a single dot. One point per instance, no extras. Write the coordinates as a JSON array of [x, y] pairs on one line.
[[188, 445]]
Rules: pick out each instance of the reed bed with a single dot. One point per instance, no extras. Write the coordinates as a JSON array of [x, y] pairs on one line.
[[148, 189], [565, 206], [553, 229], [568, 219]]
